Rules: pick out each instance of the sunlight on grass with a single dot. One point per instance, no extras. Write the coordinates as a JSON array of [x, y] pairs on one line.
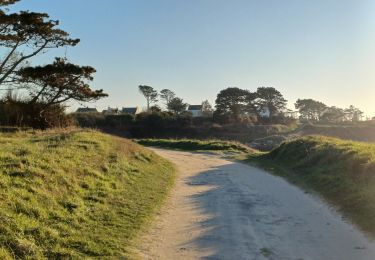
[[197, 145], [76, 194]]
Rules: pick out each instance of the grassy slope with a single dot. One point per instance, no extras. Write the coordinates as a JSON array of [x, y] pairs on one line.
[[343, 172], [197, 145], [76, 194]]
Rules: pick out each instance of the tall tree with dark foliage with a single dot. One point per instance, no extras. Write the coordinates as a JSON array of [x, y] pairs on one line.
[[271, 99], [149, 93], [233, 102], [24, 35]]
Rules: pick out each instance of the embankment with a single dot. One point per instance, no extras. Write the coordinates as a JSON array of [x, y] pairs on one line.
[[76, 194]]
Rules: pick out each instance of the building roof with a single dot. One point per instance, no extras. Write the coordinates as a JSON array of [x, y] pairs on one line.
[[130, 110], [195, 107], [86, 110], [110, 110]]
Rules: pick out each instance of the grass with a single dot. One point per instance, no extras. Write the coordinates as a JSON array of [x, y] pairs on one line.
[[343, 172], [76, 194], [197, 145]]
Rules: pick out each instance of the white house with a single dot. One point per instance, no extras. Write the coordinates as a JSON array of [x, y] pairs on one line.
[[196, 110], [264, 112]]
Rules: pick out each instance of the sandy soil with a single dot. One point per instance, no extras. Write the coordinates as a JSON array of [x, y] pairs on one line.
[[221, 209]]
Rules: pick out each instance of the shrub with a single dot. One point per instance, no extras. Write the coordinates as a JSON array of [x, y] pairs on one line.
[[19, 112]]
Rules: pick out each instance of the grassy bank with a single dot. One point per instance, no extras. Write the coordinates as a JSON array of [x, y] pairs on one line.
[[196, 145], [343, 172], [76, 194]]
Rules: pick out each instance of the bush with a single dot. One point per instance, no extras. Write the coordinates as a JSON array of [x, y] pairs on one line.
[[161, 124], [20, 112], [90, 120]]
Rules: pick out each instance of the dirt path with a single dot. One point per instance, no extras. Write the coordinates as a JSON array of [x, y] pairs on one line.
[[225, 210]]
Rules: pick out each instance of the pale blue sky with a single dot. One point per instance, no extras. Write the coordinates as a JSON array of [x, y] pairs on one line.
[[321, 49]]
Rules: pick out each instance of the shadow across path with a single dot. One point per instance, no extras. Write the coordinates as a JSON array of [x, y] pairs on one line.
[[254, 215]]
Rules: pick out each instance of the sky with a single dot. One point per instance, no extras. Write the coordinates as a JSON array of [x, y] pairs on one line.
[[321, 49]]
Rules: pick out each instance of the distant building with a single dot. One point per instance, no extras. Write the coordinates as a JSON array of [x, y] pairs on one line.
[[264, 112], [196, 110], [111, 111], [86, 110], [131, 110]]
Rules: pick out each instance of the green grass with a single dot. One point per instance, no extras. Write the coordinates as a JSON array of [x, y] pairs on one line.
[[343, 172], [197, 145], [76, 194]]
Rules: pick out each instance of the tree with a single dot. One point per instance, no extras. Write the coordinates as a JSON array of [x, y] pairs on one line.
[[177, 105], [271, 99], [7, 2], [155, 109], [310, 109], [24, 35], [149, 93], [56, 83], [167, 95], [207, 109], [333, 115], [232, 101], [353, 114]]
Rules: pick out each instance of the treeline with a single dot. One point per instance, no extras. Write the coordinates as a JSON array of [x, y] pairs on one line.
[[171, 102], [316, 111], [236, 112], [232, 104], [146, 124], [265, 105], [166, 124], [41, 90], [35, 95]]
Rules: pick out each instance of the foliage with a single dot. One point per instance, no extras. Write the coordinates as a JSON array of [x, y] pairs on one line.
[[310, 109], [207, 109], [271, 99], [160, 124], [233, 102], [333, 115], [176, 105], [17, 111], [168, 125], [7, 2], [197, 145], [154, 109], [91, 120], [149, 93], [76, 194], [167, 95], [353, 114], [24, 35], [59, 82], [341, 171]]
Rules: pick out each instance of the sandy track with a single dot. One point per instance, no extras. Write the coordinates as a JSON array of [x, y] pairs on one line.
[[226, 210]]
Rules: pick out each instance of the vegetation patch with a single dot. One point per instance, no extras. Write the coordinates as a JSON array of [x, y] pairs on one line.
[[76, 194], [343, 172], [197, 145]]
